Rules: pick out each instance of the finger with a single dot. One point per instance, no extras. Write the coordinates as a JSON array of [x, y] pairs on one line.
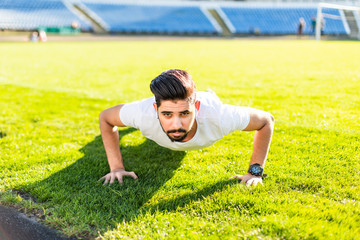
[[244, 179], [255, 182], [133, 175], [258, 180], [101, 178], [240, 177], [249, 182], [119, 178], [112, 179], [106, 180], [130, 174]]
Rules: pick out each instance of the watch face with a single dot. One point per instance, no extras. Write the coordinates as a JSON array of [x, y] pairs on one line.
[[255, 169]]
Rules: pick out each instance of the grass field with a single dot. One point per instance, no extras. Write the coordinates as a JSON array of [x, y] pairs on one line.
[[52, 154]]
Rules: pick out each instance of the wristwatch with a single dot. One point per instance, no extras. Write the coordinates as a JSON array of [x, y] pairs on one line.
[[256, 170]]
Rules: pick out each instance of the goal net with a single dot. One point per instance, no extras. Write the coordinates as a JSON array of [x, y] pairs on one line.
[[320, 18]]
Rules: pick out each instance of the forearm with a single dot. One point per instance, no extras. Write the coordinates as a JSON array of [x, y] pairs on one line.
[[263, 124], [262, 141], [111, 143]]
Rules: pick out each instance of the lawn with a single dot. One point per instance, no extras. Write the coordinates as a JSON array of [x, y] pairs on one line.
[[51, 153]]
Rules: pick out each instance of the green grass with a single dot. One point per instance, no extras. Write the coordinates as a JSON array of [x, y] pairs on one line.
[[51, 148]]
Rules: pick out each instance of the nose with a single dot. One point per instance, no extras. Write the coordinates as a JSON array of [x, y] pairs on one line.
[[177, 123]]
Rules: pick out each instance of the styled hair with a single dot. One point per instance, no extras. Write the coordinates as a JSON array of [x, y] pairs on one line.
[[173, 84]]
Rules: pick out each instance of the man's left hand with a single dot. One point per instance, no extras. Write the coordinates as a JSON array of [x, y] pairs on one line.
[[249, 179]]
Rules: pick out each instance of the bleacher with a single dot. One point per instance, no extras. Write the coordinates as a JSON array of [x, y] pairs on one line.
[[32, 14], [195, 18], [171, 19], [279, 20]]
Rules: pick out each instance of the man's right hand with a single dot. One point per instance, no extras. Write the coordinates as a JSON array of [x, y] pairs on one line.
[[117, 174]]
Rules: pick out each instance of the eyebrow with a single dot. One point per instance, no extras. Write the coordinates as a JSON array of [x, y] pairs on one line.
[[186, 111], [167, 112]]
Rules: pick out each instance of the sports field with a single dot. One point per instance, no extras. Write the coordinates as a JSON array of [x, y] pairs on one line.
[[52, 154]]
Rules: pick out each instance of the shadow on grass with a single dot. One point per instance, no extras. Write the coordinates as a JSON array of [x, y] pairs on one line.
[[79, 202]]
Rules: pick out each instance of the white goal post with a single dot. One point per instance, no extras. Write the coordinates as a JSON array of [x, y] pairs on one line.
[[320, 15]]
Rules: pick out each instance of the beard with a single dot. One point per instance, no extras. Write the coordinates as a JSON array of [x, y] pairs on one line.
[[177, 139]]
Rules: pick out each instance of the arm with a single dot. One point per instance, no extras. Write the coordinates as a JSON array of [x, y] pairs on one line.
[[263, 124], [108, 119]]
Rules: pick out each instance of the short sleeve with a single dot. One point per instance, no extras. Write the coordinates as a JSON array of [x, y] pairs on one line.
[[129, 114], [138, 114], [234, 118]]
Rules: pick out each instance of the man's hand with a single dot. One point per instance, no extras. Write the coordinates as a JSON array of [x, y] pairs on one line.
[[249, 179], [117, 174]]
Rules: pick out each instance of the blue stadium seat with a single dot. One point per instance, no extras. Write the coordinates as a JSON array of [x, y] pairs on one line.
[[163, 18], [152, 18], [29, 15]]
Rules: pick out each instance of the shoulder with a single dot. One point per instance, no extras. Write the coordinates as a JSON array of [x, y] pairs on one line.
[[143, 105], [134, 114], [210, 104], [229, 117], [208, 98]]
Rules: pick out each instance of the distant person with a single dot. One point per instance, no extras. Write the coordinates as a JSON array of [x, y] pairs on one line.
[[34, 36], [301, 27], [75, 25], [42, 36], [180, 118], [313, 25], [322, 25]]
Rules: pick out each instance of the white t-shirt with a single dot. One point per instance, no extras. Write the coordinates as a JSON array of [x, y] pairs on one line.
[[214, 121]]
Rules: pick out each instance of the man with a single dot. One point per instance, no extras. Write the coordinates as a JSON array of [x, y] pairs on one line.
[[313, 24], [179, 118], [301, 26]]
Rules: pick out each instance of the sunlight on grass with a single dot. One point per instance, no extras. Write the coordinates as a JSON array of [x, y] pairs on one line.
[[51, 148]]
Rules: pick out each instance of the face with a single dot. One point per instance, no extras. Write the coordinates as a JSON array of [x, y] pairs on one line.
[[177, 119]]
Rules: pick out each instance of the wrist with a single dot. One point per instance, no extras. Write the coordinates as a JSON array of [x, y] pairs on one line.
[[117, 169], [256, 170]]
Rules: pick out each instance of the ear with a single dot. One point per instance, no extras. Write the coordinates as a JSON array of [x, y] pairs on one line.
[[197, 105], [155, 106]]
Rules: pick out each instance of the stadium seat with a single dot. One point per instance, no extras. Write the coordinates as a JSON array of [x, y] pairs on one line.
[[152, 18], [163, 18], [30, 15]]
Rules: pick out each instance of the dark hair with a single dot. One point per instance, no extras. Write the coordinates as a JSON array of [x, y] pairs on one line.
[[173, 84]]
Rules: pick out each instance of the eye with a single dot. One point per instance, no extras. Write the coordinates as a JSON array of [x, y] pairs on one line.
[[184, 114], [167, 115]]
